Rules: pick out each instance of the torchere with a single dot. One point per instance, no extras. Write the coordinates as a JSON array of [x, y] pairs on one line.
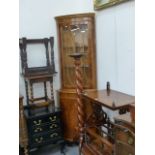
[[79, 90]]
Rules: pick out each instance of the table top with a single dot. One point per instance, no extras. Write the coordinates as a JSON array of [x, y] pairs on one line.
[[111, 99], [39, 112]]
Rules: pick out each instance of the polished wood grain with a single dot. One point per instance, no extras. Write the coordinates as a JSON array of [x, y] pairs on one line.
[[122, 132], [69, 113], [125, 133], [124, 140], [23, 136], [132, 111], [96, 144], [113, 99], [72, 16], [71, 40], [79, 90]]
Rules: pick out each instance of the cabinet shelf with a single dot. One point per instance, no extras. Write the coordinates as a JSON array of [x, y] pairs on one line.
[[84, 48], [72, 66]]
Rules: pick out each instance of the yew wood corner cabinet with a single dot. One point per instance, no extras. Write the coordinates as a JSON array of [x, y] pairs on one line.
[[76, 34]]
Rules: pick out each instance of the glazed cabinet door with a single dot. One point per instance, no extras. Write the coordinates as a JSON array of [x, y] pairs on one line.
[[76, 33]]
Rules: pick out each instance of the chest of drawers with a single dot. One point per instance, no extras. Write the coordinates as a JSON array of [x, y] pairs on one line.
[[44, 126]]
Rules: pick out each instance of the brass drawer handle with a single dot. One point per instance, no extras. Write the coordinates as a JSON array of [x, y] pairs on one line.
[[39, 140], [54, 135], [53, 126], [130, 141], [37, 122], [130, 154], [53, 118], [38, 129]]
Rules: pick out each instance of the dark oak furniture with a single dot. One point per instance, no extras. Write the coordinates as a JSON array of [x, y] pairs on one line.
[[44, 126], [42, 74], [76, 33], [42, 117], [49, 68]]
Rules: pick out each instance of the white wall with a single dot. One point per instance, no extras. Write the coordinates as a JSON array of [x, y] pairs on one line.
[[115, 47], [114, 37]]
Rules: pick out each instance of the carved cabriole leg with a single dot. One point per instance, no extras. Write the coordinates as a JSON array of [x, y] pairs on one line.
[[79, 89]]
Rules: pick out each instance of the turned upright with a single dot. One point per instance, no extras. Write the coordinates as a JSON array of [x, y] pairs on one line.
[[79, 90]]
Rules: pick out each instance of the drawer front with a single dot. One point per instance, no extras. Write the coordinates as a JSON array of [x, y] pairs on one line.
[[44, 128], [38, 121], [53, 118], [48, 137]]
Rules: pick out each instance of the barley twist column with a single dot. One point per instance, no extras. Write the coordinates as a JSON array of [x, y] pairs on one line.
[[27, 92], [45, 90], [51, 87], [79, 90], [52, 92], [31, 90]]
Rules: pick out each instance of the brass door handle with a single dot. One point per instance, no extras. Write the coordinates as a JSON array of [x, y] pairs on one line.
[[39, 140], [54, 135], [53, 126], [38, 129], [53, 118], [37, 122]]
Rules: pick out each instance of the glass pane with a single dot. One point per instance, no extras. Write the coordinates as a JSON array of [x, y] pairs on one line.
[[75, 39]]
